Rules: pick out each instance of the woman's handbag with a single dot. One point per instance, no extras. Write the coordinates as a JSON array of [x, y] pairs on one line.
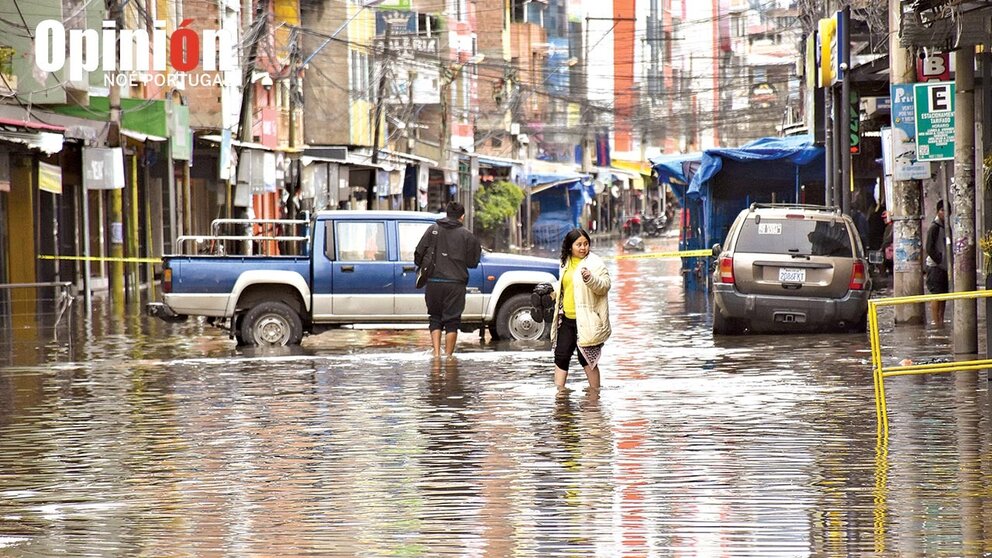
[[543, 301], [428, 262]]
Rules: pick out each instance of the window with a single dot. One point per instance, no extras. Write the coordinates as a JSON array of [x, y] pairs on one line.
[[410, 235], [361, 241], [795, 236], [360, 78]]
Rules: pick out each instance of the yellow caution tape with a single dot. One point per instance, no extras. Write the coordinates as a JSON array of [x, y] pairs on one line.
[[100, 259], [671, 254]]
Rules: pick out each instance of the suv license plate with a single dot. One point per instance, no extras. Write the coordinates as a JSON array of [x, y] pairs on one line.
[[791, 275]]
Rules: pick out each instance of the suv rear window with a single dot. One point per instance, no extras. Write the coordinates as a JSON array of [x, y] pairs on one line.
[[795, 236]]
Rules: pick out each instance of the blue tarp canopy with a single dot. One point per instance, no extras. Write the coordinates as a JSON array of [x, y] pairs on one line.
[[561, 197], [787, 170], [676, 169], [724, 181], [791, 153], [537, 180]]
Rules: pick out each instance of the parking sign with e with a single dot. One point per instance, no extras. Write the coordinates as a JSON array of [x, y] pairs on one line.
[[934, 108]]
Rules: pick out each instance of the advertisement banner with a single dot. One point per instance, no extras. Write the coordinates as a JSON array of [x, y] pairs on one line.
[[827, 41], [903, 147], [103, 168], [49, 178]]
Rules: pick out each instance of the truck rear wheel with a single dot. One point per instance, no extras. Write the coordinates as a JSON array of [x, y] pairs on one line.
[[270, 324], [515, 321]]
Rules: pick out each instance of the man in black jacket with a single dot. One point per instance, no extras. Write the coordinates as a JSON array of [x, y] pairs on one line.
[[456, 251]]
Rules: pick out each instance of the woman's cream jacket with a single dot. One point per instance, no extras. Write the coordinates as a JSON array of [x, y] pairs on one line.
[[592, 310]]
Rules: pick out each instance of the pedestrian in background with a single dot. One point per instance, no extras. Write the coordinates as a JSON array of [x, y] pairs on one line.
[[582, 315], [936, 268], [456, 250]]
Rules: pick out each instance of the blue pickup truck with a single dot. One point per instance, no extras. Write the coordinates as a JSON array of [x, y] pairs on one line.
[[359, 270]]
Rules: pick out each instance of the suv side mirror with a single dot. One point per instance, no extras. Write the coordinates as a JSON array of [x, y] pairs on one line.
[[717, 249]]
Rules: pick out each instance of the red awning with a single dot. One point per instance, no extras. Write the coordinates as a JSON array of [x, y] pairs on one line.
[[31, 125]]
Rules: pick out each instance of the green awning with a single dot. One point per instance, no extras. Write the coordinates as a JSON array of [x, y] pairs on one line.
[[141, 115]]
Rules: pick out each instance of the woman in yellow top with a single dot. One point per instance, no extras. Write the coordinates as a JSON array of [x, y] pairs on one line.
[[582, 313]]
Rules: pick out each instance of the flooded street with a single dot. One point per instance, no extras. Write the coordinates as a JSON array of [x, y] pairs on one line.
[[135, 437]]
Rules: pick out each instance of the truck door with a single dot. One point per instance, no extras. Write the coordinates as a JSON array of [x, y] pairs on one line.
[[409, 299], [361, 273]]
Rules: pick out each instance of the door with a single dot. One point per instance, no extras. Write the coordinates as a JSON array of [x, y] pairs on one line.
[[361, 273], [409, 300]]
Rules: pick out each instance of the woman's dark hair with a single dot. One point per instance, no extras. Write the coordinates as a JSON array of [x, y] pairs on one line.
[[570, 238]]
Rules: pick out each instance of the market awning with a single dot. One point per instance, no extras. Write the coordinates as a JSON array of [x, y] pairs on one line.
[[796, 151], [638, 167], [307, 160], [43, 137], [677, 168], [142, 137], [409, 157], [148, 116], [635, 179], [237, 143], [500, 162]]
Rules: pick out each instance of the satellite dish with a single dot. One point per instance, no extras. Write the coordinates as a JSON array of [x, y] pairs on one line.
[[598, 186], [615, 191]]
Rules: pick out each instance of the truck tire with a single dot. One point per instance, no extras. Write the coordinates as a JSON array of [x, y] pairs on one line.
[[514, 321], [270, 324]]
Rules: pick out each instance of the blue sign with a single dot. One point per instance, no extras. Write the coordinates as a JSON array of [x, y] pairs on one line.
[[904, 163], [398, 22]]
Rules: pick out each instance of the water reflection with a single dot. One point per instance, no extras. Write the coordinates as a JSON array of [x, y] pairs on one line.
[[146, 438]]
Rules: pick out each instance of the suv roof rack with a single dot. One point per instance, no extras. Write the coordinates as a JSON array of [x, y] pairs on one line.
[[808, 207]]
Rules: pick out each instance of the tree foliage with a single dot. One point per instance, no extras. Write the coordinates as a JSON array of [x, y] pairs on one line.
[[495, 203]]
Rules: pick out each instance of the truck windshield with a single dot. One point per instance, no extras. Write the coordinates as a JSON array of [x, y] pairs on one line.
[[795, 236]]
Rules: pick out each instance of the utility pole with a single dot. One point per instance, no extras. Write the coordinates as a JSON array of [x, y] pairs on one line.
[[962, 203], [586, 152], [294, 53], [372, 197], [828, 145], [985, 63], [247, 90], [116, 195], [844, 126], [906, 211]]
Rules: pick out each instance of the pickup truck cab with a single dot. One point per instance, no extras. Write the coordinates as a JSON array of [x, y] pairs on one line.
[[358, 269]]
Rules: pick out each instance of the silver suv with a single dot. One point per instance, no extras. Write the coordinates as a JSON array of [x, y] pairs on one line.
[[787, 266]]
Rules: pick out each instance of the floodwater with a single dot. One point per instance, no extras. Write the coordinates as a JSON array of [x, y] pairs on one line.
[[131, 437]]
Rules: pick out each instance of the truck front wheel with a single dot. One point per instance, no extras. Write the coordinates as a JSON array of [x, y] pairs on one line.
[[515, 321], [270, 324]]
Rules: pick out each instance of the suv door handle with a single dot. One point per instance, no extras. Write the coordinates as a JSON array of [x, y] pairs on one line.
[[348, 268], [409, 268]]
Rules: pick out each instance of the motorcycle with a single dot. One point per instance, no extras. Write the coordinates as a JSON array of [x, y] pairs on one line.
[[654, 226]]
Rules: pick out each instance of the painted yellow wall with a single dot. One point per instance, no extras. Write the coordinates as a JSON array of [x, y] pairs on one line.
[[20, 235], [360, 32], [287, 11]]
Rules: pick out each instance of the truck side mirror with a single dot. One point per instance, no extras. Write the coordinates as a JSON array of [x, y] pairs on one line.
[[717, 249]]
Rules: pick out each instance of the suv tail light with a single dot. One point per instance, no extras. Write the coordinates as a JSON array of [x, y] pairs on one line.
[[167, 280], [727, 269], [858, 276]]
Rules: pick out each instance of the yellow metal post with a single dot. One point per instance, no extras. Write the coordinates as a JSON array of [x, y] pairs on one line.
[[132, 232]]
